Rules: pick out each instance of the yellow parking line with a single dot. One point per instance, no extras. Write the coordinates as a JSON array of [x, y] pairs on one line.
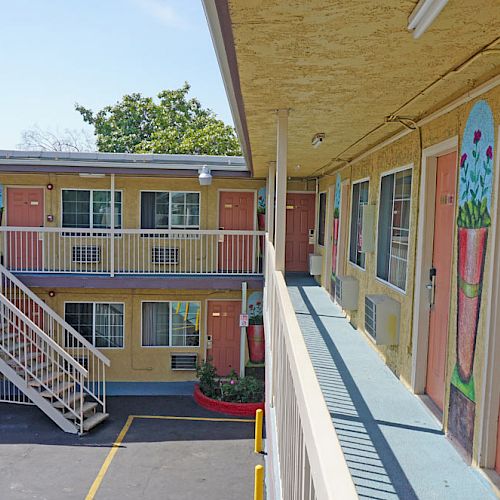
[[116, 445]]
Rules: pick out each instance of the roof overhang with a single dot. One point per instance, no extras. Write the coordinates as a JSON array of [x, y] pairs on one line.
[[351, 70]]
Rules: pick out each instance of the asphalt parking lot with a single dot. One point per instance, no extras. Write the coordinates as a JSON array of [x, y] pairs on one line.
[[157, 458]]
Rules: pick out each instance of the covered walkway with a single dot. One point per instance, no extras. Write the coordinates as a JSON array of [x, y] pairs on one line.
[[393, 445]]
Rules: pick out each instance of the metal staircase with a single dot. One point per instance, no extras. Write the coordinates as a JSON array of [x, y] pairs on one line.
[[47, 360]]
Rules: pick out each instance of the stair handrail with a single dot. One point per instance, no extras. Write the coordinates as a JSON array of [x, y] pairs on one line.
[[67, 357], [4, 271]]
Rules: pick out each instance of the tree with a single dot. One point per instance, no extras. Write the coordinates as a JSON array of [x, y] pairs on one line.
[[174, 124], [36, 139]]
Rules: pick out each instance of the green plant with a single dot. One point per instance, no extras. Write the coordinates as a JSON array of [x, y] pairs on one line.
[[231, 389], [207, 375]]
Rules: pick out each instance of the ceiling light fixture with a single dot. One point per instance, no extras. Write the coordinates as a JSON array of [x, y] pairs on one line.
[[205, 176], [423, 16]]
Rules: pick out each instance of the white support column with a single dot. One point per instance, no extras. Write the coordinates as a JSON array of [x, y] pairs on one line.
[[270, 195], [281, 181], [243, 332], [112, 226]]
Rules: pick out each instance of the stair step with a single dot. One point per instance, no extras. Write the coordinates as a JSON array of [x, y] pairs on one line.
[[88, 407], [36, 367], [7, 338], [45, 380], [71, 400], [15, 347], [95, 419], [24, 359], [57, 389]]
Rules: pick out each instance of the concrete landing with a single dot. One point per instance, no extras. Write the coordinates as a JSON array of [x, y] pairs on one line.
[[393, 445]]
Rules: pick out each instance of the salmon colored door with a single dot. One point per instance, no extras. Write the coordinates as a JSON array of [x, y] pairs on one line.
[[237, 213], [25, 209], [300, 212], [444, 222], [224, 328]]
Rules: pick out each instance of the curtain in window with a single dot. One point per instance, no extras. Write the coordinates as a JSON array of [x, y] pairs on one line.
[[155, 324], [384, 226], [322, 219], [148, 210], [354, 223]]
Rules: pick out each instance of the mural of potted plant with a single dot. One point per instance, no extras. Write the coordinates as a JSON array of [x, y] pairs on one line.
[[255, 331], [474, 220], [261, 209]]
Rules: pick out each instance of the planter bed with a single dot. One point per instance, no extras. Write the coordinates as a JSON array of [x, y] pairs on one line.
[[235, 409]]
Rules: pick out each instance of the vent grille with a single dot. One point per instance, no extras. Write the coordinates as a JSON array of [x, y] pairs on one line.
[[162, 255], [86, 254], [370, 317], [338, 290], [183, 361]]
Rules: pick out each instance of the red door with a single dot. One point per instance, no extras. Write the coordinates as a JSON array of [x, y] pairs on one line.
[[223, 327], [300, 211], [25, 209], [237, 212], [444, 221]]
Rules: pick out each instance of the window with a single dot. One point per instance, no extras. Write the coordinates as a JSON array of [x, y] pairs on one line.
[[394, 228], [100, 323], [170, 324], [170, 210], [90, 208], [322, 219], [359, 199]]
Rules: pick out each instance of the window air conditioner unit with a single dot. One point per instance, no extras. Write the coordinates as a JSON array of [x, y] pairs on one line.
[[315, 264], [382, 319], [86, 254], [161, 255], [347, 292], [185, 362]]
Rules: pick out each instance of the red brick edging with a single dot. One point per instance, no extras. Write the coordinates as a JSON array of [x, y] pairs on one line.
[[236, 409]]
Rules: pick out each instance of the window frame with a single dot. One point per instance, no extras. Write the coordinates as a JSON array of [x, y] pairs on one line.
[[394, 171], [320, 194], [170, 227], [170, 346], [94, 303], [359, 181], [91, 212]]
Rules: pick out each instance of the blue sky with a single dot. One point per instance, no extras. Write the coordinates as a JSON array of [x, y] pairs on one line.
[[54, 53]]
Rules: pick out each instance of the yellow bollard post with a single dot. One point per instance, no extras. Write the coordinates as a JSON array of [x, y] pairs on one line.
[[259, 483], [259, 414]]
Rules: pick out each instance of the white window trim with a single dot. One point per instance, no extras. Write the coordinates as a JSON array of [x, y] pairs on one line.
[[319, 218], [359, 181], [390, 285], [93, 319], [91, 214], [170, 227], [175, 347]]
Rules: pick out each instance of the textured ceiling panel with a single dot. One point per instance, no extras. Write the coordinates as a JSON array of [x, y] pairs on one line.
[[343, 66]]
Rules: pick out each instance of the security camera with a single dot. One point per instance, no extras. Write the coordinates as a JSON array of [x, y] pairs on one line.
[[317, 139]]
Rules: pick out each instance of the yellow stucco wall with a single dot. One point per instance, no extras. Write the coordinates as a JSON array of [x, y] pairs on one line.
[[134, 362], [404, 152]]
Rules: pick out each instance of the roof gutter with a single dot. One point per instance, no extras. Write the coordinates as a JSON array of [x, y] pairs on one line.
[[219, 23]]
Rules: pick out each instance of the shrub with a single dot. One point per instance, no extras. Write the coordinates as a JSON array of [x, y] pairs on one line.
[[231, 389]]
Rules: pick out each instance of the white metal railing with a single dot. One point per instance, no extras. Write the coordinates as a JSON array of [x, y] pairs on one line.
[[38, 358], [75, 346], [131, 251], [310, 459]]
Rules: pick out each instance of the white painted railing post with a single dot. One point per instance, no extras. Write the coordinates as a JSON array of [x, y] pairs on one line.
[[281, 182]]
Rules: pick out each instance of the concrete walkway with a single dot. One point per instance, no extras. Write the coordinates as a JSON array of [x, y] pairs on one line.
[[393, 445]]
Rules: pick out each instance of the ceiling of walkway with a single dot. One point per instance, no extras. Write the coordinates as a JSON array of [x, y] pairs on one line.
[[343, 66]]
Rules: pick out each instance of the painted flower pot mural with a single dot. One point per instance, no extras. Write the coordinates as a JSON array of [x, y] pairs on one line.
[[336, 223], [473, 223], [255, 333], [261, 209], [474, 220]]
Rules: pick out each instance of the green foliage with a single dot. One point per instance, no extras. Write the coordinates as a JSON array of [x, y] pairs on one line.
[[474, 214], [231, 389], [174, 124]]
